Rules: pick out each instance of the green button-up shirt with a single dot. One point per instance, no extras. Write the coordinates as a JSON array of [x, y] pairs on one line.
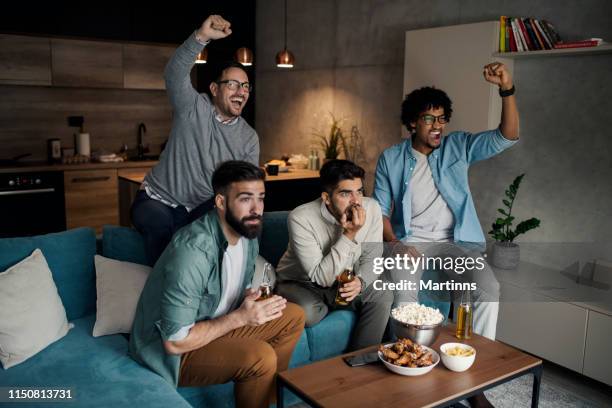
[[184, 287]]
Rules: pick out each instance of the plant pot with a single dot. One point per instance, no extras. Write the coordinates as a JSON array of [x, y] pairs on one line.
[[506, 255]]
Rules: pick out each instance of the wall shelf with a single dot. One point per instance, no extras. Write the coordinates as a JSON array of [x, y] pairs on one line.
[[601, 49]]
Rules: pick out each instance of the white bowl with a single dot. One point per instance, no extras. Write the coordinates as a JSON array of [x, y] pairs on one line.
[[457, 363], [409, 371]]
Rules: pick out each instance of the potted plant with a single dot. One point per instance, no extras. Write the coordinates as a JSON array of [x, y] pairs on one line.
[[333, 142], [506, 253]]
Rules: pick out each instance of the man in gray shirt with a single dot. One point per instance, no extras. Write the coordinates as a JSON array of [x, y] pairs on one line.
[[205, 132]]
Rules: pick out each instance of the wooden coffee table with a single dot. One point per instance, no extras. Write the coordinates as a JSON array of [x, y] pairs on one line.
[[332, 383]]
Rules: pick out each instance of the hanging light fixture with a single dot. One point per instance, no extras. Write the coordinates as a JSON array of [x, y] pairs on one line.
[[285, 59], [244, 56], [202, 57]]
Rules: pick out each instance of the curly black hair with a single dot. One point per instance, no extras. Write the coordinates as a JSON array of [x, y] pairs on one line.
[[423, 99]]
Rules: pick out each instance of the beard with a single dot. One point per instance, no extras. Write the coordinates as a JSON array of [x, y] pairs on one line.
[[240, 225], [337, 212]]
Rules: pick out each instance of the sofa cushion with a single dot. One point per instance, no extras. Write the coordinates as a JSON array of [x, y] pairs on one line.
[[331, 336], [123, 244], [98, 370], [31, 312], [274, 236], [70, 255], [118, 286]]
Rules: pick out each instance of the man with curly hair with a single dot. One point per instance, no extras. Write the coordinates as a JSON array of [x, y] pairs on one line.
[[422, 187]]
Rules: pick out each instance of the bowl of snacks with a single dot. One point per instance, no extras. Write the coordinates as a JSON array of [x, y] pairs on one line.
[[419, 323], [457, 356], [405, 357]]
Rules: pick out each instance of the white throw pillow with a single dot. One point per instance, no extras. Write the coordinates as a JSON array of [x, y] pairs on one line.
[[32, 315], [118, 285]]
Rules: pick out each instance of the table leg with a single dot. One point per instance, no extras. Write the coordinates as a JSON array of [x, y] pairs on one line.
[[280, 402], [537, 379]]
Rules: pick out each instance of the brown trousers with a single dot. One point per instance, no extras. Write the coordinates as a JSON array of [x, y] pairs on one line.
[[250, 356]]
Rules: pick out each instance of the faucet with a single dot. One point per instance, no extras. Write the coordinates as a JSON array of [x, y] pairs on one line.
[[142, 129]]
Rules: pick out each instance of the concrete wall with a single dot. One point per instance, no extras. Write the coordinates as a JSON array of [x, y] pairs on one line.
[[350, 62]]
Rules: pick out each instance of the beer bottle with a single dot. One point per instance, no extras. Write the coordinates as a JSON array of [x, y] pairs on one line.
[[266, 283], [346, 276], [465, 316]]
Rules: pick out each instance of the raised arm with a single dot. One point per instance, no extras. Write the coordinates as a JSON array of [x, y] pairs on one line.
[[497, 74], [177, 73]]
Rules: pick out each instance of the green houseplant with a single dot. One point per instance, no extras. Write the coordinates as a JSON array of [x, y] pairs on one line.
[[506, 253], [332, 142]]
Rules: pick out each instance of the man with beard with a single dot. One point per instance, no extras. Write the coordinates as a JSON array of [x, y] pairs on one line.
[[422, 187], [205, 132], [196, 322], [340, 230]]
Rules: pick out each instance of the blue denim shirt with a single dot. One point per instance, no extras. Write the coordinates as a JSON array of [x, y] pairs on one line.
[[449, 168]]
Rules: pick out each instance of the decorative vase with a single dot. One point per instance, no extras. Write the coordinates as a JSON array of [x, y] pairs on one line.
[[506, 255]]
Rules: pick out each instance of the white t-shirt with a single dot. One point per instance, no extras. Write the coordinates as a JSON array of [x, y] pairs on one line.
[[232, 275], [431, 219]]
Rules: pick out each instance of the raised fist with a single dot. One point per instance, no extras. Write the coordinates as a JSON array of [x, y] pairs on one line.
[[213, 28], [497, 74]]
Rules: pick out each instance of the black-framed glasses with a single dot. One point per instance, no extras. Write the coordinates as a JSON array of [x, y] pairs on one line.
[[431, 119], [233, 85]]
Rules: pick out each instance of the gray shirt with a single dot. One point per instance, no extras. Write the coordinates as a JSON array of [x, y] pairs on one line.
[[198, 142]]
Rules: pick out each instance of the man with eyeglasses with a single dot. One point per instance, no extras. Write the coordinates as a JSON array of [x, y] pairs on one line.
[[206, 131], [422, 187]]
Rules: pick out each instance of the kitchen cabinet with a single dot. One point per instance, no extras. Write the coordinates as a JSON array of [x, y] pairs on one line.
[[143, 65], [25, 60], [539, 312], [129, 184], [92, 198], [94, 64], [596, 359]]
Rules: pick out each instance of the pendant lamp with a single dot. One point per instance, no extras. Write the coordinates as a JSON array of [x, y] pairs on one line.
[[285, 59]]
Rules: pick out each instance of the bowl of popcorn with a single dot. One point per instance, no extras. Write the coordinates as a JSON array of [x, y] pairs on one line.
[[419, 323], [457, 356]]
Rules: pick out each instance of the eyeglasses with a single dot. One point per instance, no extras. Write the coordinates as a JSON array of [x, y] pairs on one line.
[[430, 119], [233, 85]]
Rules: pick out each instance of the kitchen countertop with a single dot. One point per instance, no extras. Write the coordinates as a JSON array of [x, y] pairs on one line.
[[28, 167], [293, 174]]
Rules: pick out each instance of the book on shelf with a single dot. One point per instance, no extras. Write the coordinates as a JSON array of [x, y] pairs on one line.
[[539, 35], [513, 46], [507, 37], [526, 36], [502, 34], [551, 31], [531, 34], [534, 39], [520, 42], [592, 42], [548, 41]]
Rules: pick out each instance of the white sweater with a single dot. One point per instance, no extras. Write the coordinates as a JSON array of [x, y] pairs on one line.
[[318, 250]]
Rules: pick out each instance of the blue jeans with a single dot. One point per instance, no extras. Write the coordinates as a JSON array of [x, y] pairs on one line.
[[157, 222]]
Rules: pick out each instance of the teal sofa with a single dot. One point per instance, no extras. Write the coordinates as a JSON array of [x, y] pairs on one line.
[[98, 370]]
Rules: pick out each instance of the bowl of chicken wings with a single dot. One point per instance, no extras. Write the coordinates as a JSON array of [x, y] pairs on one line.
[[406, 357]]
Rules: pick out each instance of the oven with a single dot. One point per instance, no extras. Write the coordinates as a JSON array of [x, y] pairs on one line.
[[31, 203]]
